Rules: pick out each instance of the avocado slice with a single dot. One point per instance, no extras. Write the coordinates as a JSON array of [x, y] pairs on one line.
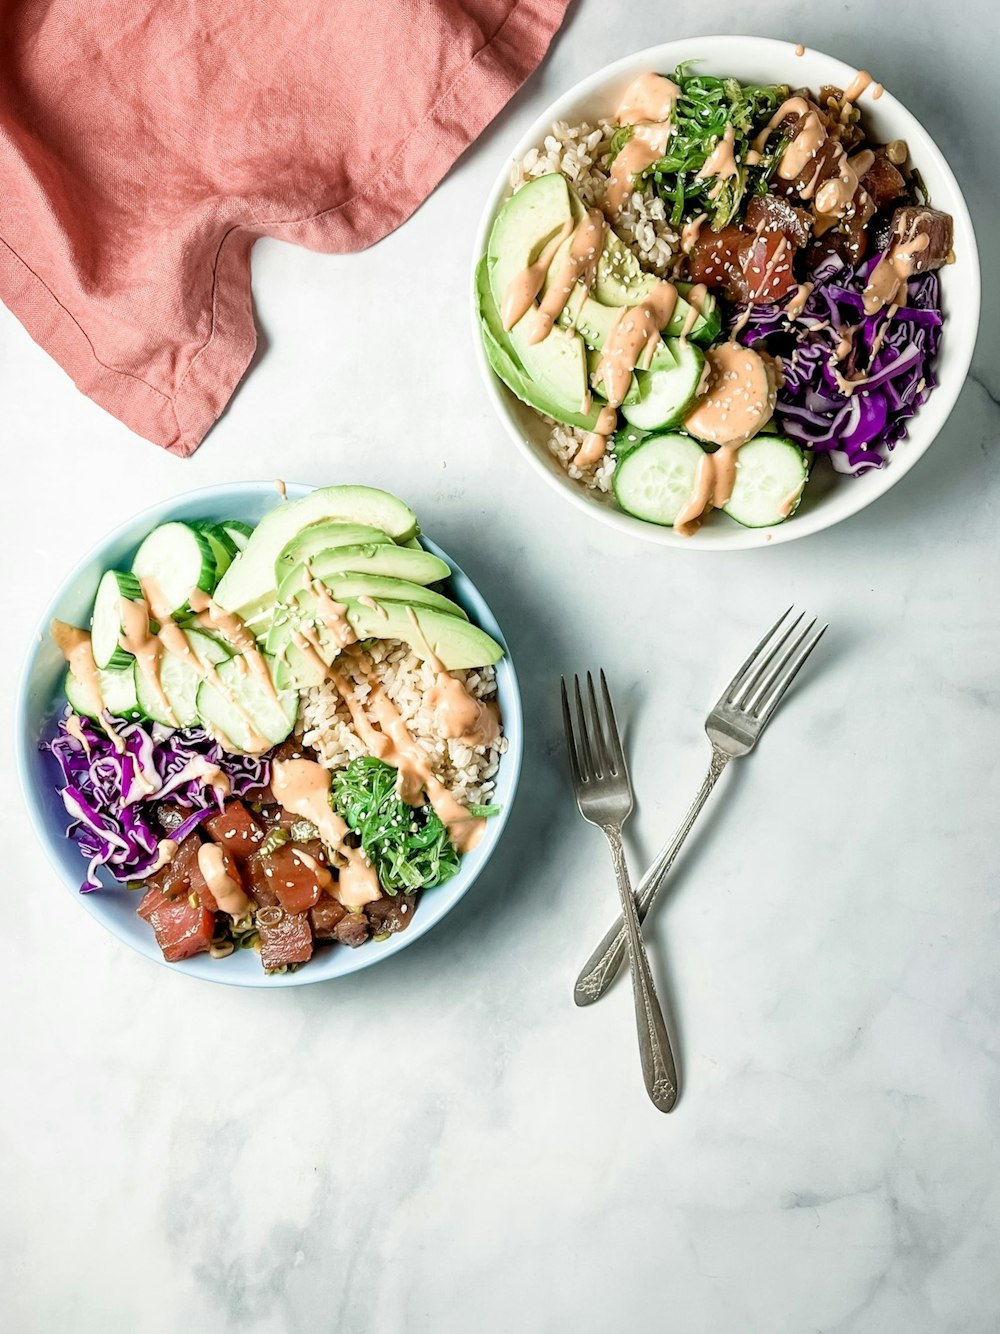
[[456, 643], [503, 359], [622, 281], [595, 323], [247, 587], [387, 561], [349, 586], [523, 227], [325, 536]]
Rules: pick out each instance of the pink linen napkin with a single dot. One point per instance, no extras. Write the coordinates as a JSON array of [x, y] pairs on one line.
[[145, 145]]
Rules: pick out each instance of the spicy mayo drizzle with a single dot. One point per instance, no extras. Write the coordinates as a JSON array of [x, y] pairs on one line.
[[459, 715], [227, 892], [648, 106], [303, 788], [630, 344], [737, 401]]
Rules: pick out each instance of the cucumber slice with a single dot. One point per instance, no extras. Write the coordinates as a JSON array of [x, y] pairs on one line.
[[179, 681], [665, 395], [239, 532], [771, 473], [106, 622], [178, 558], [239, 706], [657, 479], [224, 549], [117, 691]]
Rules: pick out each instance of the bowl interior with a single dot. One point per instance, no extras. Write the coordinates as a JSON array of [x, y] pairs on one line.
[[41, 702], [829, 498]]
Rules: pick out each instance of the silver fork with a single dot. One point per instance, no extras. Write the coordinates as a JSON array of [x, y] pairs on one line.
[[734, 727], [604, 795]]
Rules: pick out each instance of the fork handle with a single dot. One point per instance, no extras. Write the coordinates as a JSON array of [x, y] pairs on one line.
[[657, 1058], [600, 969]]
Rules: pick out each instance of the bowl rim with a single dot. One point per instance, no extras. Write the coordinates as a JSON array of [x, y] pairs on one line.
[[25, 744], [941, 403]]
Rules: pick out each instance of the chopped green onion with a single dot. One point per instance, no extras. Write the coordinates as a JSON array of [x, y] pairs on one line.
[[274, 841], [484, 812], [304, 831]]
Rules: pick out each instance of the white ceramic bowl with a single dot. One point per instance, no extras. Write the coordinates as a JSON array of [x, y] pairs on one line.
[[40, 702], [829, 497]]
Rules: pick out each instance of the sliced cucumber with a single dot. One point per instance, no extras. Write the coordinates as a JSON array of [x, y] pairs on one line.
[[106, 623], [771, 473], [224, 549], [239, 532], [665, 395], [178, 559], [240, 706], [117, 691], [179, 681], [657, 479]]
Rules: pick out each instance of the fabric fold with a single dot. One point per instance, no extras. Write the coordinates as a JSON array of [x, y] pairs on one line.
[[146, 144]]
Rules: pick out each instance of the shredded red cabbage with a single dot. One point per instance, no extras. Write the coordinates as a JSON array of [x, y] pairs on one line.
[[111, 795], [894, 353]]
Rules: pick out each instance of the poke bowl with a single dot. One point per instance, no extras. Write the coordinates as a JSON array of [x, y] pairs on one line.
[[725, 293], [264, 781]]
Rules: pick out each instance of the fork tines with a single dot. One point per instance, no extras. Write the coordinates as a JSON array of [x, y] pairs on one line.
[[772, 666], [595, 749]]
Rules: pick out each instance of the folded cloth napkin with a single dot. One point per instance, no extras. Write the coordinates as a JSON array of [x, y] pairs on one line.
[[145, 145]]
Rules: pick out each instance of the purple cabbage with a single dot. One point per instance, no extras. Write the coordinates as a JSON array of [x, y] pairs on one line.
[[895, 353], [111, 795]]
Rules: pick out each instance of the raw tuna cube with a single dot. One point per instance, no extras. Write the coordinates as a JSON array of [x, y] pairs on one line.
[[285, 938], [326, 915], [883, 181], [297, 883], [352, 930], [236, 830], [181, 931], [389, 914]]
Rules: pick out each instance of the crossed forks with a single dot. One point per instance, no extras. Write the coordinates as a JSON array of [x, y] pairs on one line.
[[604, 795]]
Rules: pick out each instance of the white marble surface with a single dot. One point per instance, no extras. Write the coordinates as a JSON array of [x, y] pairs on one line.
[[445, 1143]]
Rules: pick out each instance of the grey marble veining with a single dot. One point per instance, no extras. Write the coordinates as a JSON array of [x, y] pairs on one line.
[[444, 1143]]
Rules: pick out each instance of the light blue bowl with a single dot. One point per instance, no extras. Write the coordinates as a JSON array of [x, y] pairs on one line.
[[40, 703]]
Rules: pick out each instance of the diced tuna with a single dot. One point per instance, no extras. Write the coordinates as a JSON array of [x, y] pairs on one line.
[[182, 875], [883, 181], [352, 930], [325, 916], [913, 221], [767, 268], [772, 213], [388, 914], [181, 931], [296, 881], [236, 830], [716, 260], [258, 883], [285, 938]]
